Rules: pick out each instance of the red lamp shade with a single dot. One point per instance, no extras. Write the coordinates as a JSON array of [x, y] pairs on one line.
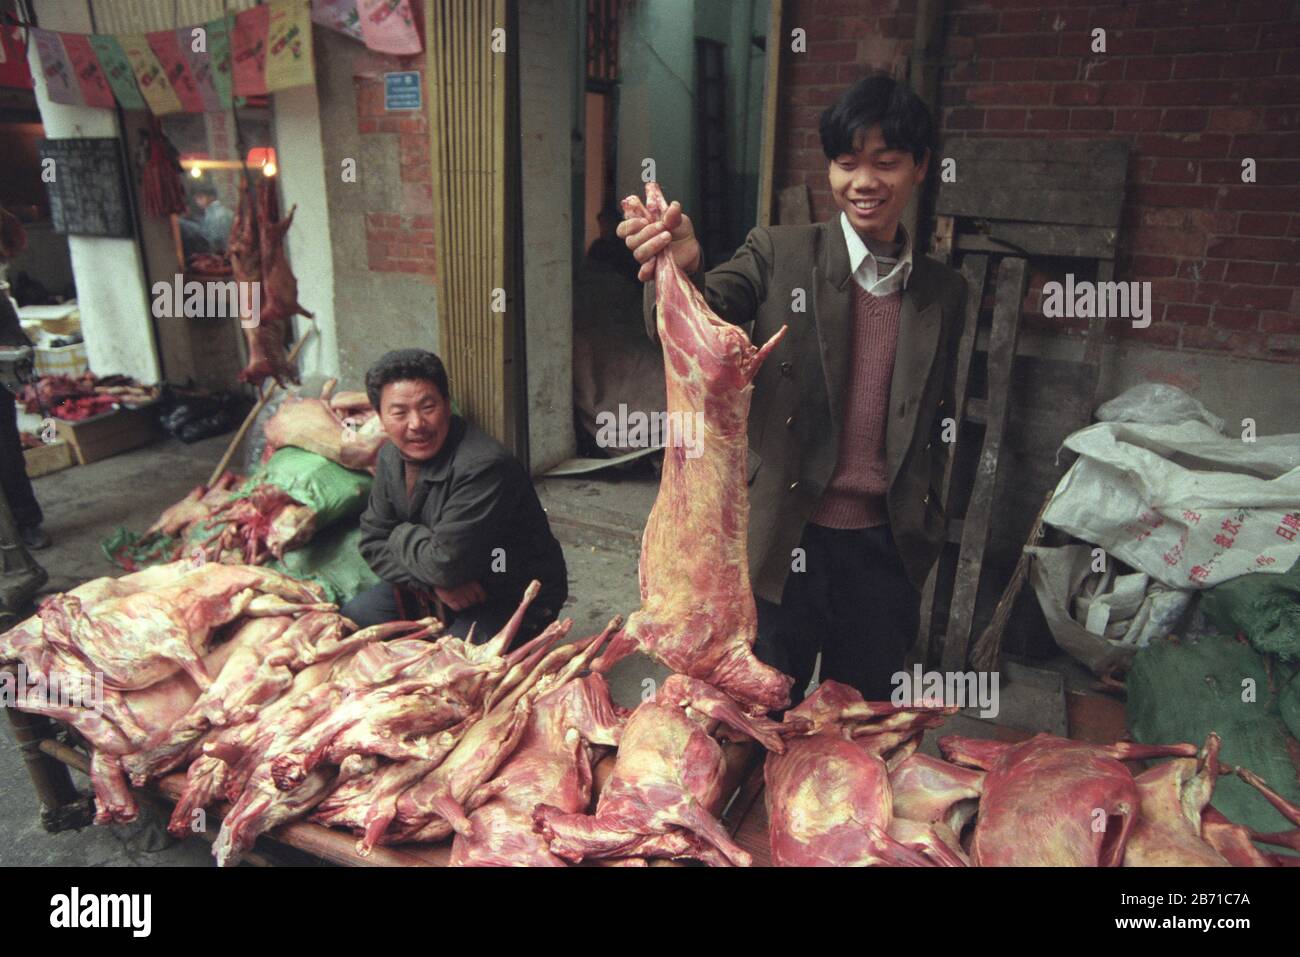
[[263, 158]]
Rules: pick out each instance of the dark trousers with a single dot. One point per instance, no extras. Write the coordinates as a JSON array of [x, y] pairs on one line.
[[853, 602], [387, 602], [13, 467]]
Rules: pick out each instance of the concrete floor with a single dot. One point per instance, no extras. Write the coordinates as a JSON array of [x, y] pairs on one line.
[[598, 519]]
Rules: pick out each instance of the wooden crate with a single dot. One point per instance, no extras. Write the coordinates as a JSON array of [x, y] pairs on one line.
[[44, 459], [105, 435]]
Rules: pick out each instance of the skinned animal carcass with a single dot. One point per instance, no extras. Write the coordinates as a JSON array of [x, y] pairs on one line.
[[697, 611]]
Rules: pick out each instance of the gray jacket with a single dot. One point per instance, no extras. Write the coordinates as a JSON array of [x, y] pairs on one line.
[[794, 421]]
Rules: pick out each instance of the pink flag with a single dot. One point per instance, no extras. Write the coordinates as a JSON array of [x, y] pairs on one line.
[[338, 15], [388, 27], [201, 67], [248, 51], [95, 90], [166, 47], [60, 77]]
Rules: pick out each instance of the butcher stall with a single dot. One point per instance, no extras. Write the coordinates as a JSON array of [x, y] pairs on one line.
[[217, 682]]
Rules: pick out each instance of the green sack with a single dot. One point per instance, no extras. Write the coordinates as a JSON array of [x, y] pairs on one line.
[[1181, 691], [333, 560], [1265, 607], [327, 488]]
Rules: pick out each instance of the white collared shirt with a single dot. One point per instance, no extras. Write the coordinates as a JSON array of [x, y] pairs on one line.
[[866, 268]]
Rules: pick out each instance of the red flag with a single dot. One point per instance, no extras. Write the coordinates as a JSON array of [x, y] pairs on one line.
[[248, 51], [13, 60], [175, 66], [90, 76]]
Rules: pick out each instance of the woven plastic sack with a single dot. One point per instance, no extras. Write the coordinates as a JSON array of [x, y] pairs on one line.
[[1265, 607]]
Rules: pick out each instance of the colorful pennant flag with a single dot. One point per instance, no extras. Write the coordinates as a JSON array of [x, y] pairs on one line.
[[117, 68], [248, 51], [289, 48], [149, 75], [199, 63], [56, 68], [338, 15], [219, 55], [166, 47], [388, 26], [95, 90]]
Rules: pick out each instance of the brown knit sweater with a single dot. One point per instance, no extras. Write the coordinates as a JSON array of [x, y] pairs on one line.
[[855, 495]]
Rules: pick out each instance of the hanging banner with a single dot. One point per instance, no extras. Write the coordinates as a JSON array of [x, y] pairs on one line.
[[388, 26], [155, 88], [166, 47], [338, 15], [95, 90], [199, 63], [117, 68], [219, 55], [60, 77], [248, 51], [14, 72], [289, 49]]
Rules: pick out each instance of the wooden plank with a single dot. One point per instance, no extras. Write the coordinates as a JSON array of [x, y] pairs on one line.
[[1009, 200], [1011, 284], [941, 244], [1043, 239], [1083, 152], [974, 269], [771, 89]]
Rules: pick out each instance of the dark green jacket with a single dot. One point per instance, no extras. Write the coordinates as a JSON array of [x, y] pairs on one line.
[[471, 499], [794, 422]]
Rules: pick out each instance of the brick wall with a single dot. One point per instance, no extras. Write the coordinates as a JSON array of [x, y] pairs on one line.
[[1194, 87], [398, 239]]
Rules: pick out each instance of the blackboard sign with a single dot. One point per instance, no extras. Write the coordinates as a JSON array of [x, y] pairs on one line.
[[87, 193]]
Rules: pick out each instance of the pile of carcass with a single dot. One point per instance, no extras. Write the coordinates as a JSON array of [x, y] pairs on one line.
[[226, 522], [273, 702]]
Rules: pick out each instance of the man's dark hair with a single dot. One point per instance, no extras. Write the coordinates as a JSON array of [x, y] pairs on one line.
[[405, 365], [904, 118], [206, 191]]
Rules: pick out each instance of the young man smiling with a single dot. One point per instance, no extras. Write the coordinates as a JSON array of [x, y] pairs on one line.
[[846, 457]]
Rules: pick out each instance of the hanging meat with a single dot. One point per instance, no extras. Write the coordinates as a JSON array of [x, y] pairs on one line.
[[257, 254], [161, 178], [697, 611], [830, 802], [666, 786]]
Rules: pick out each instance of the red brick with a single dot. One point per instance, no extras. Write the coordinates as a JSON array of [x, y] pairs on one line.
[[1204, 39], [1220, 171], [1282, 347], [1129, 42], [1249, 10], [1262, 224], [1235, 120], [1012, 70], [1047, 119], [1244, 296], [1164, 217], [1217, 221], [1185, 144], [1173, 171], [1174, 241], [1113, 18], [1201, 93], [1245, 320], [1219, 340], [1098, 71], [1281, 36], [1173, 290], [843, 52], [1282, 118], [1265, 250], [1153, 267], [1121, 94], [1021, 21], [1202, 270], [1174, 195], [1137, 120], [1010, 94], [1281, 144], [1247, 65], [996, 119], [1187, 120], [1160, 334], [1076, 94], [1257, 197], [1092, 119], [974, 23], [964, 119], [1056, 69], [1148, 68], [1181, 14], [1187, 314], [1020, 45], [1276, 90], [1204, 66], [1250, 272], [367, 125], [1284, 322]]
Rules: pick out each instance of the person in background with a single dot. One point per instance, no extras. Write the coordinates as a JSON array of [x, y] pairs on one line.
[[454, 527], [13, 466], [217, 219]]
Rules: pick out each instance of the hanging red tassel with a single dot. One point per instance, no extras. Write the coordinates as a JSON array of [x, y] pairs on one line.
[[163, 192]]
